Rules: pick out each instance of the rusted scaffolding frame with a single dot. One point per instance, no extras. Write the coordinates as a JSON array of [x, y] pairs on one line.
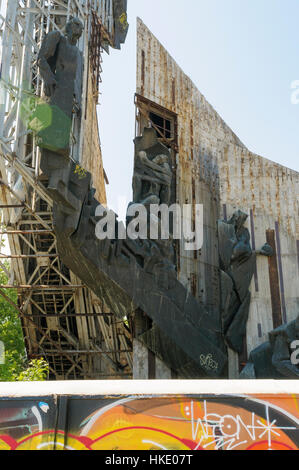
[[62, 320]]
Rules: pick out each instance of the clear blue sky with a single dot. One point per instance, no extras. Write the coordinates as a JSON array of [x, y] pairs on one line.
[[242, 55]]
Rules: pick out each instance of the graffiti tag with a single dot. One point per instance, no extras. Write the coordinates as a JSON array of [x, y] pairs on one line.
[[80, 172], [208, 362], [124, 20], [229, 430]]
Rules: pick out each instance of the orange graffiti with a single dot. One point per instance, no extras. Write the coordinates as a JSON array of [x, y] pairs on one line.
[[176, 423]]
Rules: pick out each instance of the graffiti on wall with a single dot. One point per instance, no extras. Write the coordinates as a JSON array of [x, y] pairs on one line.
[[151, 423]]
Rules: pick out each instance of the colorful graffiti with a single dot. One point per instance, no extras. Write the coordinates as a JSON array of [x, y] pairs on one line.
[[151, 423]]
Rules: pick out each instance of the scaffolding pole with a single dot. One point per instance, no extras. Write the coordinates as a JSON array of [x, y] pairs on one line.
[[83, 345]]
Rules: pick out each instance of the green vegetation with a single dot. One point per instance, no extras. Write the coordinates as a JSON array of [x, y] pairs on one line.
[[16, 367]]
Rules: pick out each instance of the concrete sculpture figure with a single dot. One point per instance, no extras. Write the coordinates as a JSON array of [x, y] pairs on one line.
[[60, 66], [237, 263], [152, 172], [273, 359], [128, 274], [131, 274], [151, 186]]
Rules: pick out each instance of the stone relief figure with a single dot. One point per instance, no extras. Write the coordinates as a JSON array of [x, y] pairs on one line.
[[152, 179], [237, 263], [152, 185], [60, 66], [126, 273], [273, 358], [152, 171]]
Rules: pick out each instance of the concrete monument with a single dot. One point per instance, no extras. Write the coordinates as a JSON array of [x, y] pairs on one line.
[[237, 263], [273, 359]]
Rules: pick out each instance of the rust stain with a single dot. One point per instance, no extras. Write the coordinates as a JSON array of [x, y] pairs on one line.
[[274, 281], [194, 284], [173, 91], [191, 138], [142, 70]]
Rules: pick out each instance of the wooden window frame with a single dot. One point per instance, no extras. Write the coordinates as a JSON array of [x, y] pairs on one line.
[[144, 107]]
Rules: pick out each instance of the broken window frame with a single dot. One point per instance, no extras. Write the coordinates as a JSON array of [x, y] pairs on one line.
[[144, 107]]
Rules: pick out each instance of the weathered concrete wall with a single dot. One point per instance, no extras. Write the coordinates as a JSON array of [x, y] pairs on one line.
[[92, 155], [214, 168], [160, 79], [268, 192]]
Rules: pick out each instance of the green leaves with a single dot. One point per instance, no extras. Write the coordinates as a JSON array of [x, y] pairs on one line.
[[16, 366], [10, 334], [37, 370]]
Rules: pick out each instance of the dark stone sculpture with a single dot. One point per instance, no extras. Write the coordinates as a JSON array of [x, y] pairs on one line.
[[273, 358], [127, 274], [112, 270], [136, 274], [151, 186], [152, 171], [60, 65], [130, 274], [237, 263]]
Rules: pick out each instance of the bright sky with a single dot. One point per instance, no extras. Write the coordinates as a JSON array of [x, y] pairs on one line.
[[243, 55]]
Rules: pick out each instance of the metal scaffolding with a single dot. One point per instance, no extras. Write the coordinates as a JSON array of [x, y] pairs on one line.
[[62, 320]]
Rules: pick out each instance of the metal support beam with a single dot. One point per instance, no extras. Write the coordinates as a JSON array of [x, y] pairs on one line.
[[49, 295]]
